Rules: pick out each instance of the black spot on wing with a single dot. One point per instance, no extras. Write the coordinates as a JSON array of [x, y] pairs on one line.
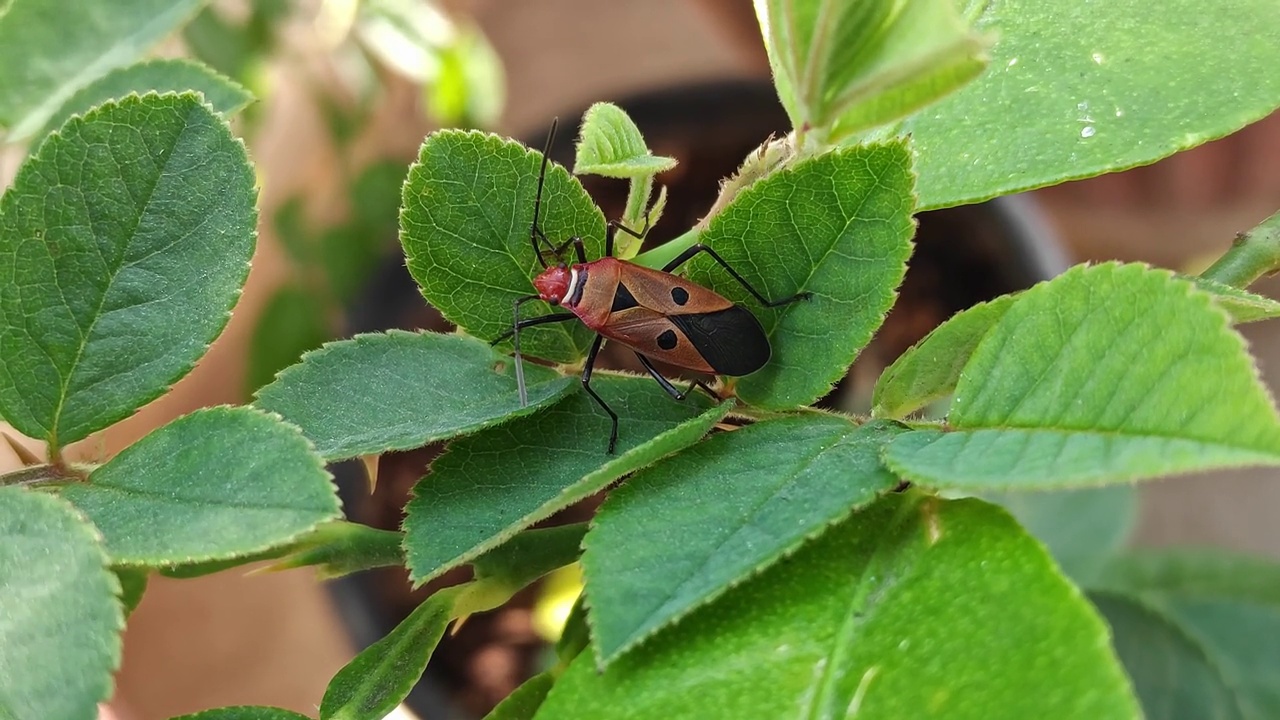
[[679, 295], [730, 340], [667, 339], [623, 299]]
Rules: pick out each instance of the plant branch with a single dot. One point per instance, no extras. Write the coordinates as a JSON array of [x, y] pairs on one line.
[[40, 475], [1252, 255]]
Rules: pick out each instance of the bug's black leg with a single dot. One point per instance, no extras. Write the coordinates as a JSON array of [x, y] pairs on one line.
[[586, 385], [540, 320], [672, 390], [608, 239], [537, 235], [685, 256], [578, 248]]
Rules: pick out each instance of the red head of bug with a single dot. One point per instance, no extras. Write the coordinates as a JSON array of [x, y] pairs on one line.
[[553, 283]]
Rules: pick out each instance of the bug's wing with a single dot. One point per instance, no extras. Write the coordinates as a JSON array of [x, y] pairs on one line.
[[724, 342], [654, 335], [730, 340]]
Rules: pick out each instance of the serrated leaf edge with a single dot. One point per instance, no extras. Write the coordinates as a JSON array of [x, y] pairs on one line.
[[49, 434], [116, 650], [567, 496], [357, 339], [635, 641], [748, 193], [284, 541], [248, 97], [483, 137], [890, 373], [1190, 291]]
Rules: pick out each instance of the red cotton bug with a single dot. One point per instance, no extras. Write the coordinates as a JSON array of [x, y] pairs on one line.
[[653, 312]]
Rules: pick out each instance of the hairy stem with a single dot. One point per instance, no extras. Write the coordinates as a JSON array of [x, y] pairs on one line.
[[1252, 255]]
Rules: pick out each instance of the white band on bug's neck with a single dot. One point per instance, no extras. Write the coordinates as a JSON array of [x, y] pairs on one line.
[[573, 286]]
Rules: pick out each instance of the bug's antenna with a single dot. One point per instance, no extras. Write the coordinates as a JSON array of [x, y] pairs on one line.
[[534, 232]]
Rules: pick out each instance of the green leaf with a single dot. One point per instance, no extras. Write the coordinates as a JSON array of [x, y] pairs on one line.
[[1199, 626], [244, 712], [575, 636], [159, 75], [505, 570], [611, 145], [60, 621], [133, 584], [844, 67], [124, 242], [1076, 89], [186, 571], [380, 677], [1083, 529], [292, 323], [51, 48], [485, 488], [530, 555], [672, 539], [1243, 305], [470, 87], [400, 390], [468, 205], [218, 483], [1188, 573], [524, 701], [289, 223], [838, 225], [930, 370], [223, 45], [340, 548], [1105, 374], [351, 253], [1174, 676], [914, 607]]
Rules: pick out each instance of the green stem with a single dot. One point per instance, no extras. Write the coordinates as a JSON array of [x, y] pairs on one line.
[[638, 200], [666, 252], [1252, 255], [633, 216]]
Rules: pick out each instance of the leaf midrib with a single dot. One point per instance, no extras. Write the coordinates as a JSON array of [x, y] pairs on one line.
[[819, 708], [143, 212], [801, 463]]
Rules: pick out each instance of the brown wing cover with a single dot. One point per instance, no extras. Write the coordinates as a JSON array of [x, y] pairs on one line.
[[639, 329], [670, 319]]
